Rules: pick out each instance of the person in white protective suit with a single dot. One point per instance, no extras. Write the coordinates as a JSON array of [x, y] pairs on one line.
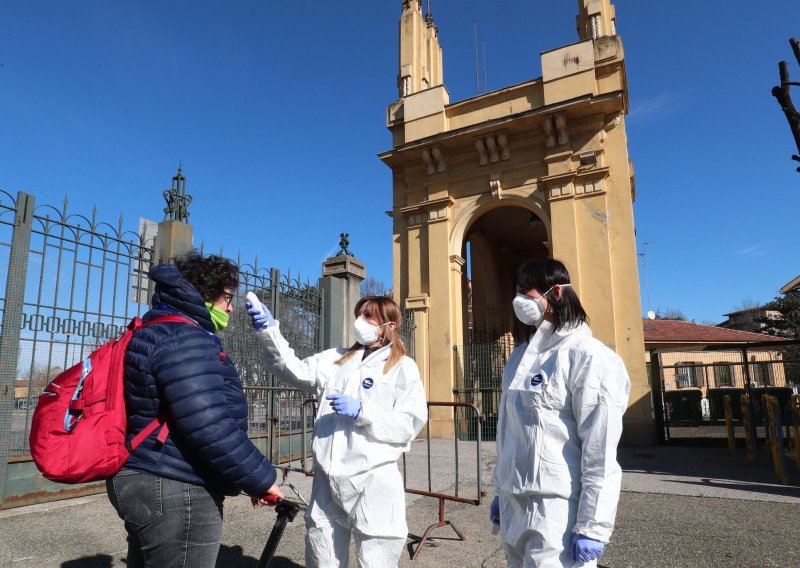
[[557, 480], [371, 407]]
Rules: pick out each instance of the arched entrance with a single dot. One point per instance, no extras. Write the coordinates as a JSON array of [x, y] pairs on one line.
[[495, 246], [496, 243]]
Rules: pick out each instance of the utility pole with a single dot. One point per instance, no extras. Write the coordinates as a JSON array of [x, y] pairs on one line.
[[784, 96], [475, 43], [483, 41]]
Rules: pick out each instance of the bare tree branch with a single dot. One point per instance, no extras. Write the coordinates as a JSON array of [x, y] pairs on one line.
[[784, 96]]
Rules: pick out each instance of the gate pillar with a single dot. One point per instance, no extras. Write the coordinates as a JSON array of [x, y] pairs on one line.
[[341, 285], [12, 324]]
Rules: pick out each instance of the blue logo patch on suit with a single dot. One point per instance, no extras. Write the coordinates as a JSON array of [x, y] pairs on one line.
[[367, 383]]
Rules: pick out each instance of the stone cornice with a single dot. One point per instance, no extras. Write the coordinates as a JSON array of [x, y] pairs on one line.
[[431, 204], [490, 125]]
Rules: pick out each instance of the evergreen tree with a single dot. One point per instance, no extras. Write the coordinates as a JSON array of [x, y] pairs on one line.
[[789, 324]]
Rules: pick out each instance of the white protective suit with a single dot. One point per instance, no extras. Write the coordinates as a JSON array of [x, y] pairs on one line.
[[357, 485], [559, 424]]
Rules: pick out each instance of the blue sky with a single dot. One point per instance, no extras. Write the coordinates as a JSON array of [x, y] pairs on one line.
[[277, 111]]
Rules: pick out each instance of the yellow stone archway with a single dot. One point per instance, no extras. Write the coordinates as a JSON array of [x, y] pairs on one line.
[[554, 147]]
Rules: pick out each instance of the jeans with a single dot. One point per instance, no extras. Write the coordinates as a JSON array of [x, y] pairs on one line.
[[170, 523]]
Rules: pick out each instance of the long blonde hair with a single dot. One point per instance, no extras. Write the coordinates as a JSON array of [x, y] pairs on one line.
[[381, 310]]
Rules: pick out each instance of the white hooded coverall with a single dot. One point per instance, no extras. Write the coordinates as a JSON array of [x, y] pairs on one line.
[[560, 420], [357, 486]]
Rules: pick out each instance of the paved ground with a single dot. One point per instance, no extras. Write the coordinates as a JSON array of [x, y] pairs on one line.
[[680, 507]]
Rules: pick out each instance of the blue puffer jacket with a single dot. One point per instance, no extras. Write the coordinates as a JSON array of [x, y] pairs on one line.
[[176, 370]]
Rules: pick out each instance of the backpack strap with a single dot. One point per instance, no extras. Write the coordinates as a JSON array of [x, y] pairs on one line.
[[161, 420], [172, 318], [146, 431], [170, 309]]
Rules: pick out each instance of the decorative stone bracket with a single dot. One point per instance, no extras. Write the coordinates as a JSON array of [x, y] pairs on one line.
[[492, 148], [555, 128], [434, 159]]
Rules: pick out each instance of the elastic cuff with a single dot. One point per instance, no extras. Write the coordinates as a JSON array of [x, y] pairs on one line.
[[271, 479]]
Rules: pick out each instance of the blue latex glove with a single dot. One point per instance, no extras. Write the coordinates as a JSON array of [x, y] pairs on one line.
[[344, 405], [494, 510], [586, 549], [260, 321]]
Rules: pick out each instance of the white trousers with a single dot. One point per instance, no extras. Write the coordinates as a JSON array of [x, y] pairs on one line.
[[536, 532], [369, 507], [328, 546]]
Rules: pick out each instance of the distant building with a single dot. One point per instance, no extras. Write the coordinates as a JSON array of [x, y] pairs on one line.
[[705, 356], [750, 319]]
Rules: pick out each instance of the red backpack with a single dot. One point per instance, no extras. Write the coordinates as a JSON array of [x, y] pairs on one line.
[[79, 426]]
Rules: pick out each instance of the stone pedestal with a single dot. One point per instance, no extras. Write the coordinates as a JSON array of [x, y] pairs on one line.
[[174, 240], [341, 284]]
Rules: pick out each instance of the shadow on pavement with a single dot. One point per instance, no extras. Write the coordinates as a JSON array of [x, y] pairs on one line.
[[233, 557], [785, 490], [701, 462], [96, 561]]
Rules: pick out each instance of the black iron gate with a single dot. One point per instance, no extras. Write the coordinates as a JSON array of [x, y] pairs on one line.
[[479, 368]]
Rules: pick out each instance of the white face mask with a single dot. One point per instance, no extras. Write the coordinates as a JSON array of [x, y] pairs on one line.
[[364, 332], [529, 310]]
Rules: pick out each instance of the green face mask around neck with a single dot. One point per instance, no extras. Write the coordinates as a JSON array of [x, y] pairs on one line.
[[218, 317]]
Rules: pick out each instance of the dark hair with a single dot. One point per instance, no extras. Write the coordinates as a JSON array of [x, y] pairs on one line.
[[543, 275], [210, 274]]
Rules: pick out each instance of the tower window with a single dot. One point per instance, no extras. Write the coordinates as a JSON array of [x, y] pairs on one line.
[[406, 88], [596, 25]]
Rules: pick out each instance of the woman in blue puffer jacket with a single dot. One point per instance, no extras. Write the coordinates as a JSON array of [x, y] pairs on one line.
[[170, 494]]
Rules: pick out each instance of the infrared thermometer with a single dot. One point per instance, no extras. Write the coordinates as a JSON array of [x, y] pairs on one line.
[[254, 301]]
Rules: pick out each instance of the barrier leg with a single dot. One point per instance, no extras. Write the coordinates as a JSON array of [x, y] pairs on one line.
[[442, 523]]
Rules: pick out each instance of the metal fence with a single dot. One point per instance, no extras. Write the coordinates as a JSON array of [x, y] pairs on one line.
[[407, 332], [71, 283], [281, 424], [479, 378], [279, 421], [689, 388], [467, 485]]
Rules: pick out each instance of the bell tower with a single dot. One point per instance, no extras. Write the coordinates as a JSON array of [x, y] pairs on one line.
[[420, 52], [529, 171]]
